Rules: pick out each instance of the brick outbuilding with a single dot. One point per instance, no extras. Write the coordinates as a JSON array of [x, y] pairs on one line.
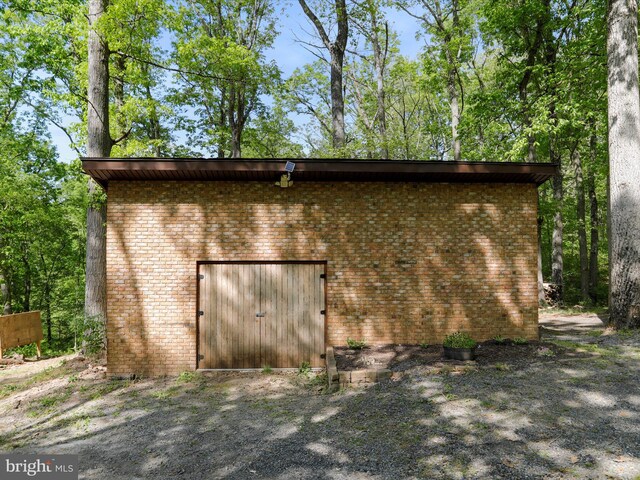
[[210, 264]]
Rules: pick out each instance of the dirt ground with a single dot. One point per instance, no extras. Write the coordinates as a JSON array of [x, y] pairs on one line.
[[399, 358], [571, 412]]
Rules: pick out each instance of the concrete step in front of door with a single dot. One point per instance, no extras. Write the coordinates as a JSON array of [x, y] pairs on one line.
[[337, 378]]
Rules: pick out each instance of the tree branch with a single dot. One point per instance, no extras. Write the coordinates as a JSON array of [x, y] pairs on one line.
[[316, 22]]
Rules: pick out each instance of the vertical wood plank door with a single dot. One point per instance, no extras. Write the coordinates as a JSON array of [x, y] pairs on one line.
[[257, 315]]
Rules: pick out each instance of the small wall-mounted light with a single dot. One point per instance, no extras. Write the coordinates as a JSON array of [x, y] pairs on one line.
[[285, 179]]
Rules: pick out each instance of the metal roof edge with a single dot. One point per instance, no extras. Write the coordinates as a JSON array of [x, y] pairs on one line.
[[316, 169]]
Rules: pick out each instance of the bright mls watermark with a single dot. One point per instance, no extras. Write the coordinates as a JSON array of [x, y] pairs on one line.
[[50, 467]]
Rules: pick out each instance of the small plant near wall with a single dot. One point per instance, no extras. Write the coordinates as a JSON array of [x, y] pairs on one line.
[[424, 345], [520, 341], [267, 369], [304, 369], [187, 377], [459, 346], [459, 340], [356, 344], [499, 339]]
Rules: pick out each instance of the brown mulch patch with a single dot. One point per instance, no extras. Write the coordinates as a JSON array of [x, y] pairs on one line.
[[403, 357]]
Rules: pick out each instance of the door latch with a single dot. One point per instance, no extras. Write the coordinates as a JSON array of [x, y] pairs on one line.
[[261, 314]]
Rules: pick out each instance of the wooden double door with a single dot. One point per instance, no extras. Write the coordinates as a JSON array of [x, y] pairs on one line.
[[254, 315]]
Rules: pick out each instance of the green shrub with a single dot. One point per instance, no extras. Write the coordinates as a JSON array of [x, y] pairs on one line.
[[186, 377], [304, 369], [93, 339], [520, 341], [424, 345], [356, 344], [499, 339], [459, 340], [55, 349], [24, 350]]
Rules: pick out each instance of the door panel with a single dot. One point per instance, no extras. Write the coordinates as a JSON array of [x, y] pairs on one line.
[[261, 314]]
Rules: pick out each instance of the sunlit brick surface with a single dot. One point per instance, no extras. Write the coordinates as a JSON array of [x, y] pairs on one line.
[[407, 263]]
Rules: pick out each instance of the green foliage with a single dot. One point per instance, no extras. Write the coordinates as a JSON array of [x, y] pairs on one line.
[[304, 369], [424, 345], [499, 339], [626, 333], [594, 333], [48, 404], [531, 80], [356, 344], [267, 369], [520, 341], [27, 351], [42, 239], [187, 377], [93, 339], [56, 348], [459, 340], [219, 48], [319, 380]]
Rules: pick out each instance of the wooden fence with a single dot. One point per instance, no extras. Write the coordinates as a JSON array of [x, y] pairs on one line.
[[20, 329]]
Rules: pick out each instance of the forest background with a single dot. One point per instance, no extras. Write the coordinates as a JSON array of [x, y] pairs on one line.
[[475, 80]]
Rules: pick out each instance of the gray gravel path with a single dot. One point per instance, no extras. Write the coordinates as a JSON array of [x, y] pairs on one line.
[[578, 417]]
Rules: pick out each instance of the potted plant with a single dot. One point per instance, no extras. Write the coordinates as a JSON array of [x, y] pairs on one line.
[[459, 346]]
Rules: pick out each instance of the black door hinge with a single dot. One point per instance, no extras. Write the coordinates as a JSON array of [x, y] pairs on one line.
[[201, 277], [200, 357], [323, 275], [323, 312], [200, 313]]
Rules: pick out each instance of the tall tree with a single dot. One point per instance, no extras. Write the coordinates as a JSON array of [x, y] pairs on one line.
[[336, 49], [369, 21], [444, 21], [99, 144], [581, 213], [219, 52], [594, 218], [624, 164]]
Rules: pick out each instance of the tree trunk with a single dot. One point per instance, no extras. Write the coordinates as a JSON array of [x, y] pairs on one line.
[[99, 144], [47, 311], [5, 290], [154, 129], [582, 226], [26, 299], [336, 51], [557, 263], [380, 60], [541, 297], [455, 113], [523, 86], [337, 100], [118, 96], [594, 224], [222, 122], [624, 164], [234, 121], [452, 79]]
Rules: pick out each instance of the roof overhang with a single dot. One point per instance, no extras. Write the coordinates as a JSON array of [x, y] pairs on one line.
[[104, 170]]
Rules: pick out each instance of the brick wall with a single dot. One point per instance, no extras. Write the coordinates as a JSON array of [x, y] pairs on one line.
[[407, 263]]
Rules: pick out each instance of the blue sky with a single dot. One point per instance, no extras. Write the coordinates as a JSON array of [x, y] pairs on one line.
[[289, 54]]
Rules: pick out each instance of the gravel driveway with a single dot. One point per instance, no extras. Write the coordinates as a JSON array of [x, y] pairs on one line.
[[577, 417]]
